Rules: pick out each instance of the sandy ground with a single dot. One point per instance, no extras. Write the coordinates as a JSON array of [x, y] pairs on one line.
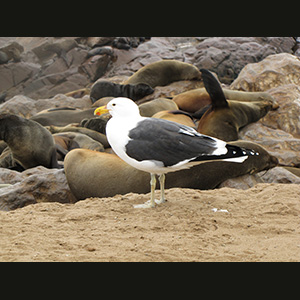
[[259, 224]]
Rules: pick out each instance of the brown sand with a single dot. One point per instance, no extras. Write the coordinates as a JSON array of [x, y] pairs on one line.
[[262, 224]]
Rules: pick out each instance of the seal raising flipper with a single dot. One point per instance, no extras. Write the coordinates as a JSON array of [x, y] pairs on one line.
[[224, 118], [214, 89]]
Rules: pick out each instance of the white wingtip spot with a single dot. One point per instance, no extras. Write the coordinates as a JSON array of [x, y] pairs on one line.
[[236, 159]]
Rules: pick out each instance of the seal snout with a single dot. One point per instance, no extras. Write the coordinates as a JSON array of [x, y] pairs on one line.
[[273, 162]]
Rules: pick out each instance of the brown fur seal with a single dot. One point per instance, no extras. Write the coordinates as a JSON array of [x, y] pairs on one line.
[[164, 72], [177, 116], [224, 119], [295, 171], [82, 140], [106, 167], [97, 136], [194, 100], [62, 116], [7, 161], [210, 175], [78, 93], [96, 124], [64, 145], [95, 174], [30, 143], [3, 145], [101, 51], [150, 108], [104, 88]]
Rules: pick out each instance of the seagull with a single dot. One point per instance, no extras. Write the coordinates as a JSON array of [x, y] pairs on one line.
[[160, 146]]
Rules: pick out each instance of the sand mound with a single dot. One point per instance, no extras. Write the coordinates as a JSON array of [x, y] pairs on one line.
[[259, 224]]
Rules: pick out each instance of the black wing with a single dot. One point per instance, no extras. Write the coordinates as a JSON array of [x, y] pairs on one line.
[[168, 142]]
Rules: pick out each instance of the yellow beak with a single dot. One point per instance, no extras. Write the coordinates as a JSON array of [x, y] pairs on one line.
[[101, 110]]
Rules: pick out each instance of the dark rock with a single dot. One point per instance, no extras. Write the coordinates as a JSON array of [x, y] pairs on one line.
[[63, 64], [3, 58], [273, 71], [12, 50], [95, 66], [49, 48], [117, 42], [277, 142], [10, 177], [37, 185], [275, 175], [226, 56], [13, 74]]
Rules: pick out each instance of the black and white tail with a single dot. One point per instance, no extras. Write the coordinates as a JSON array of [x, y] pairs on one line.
[[237, 154], [231, 154]]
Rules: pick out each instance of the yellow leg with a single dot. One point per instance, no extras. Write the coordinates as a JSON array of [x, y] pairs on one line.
[[153, 185], [162, 178], [150, 203]]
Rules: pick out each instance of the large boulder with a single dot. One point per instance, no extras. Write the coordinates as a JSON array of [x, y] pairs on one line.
[[48, 66], [32, 186], [11, 50], [277, 142], [41, 67], [226, 56], [279, 130], [273, 71], [286, 117], [13, 74]]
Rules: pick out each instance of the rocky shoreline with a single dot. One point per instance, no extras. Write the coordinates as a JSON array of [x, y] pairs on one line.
[[41, 67]]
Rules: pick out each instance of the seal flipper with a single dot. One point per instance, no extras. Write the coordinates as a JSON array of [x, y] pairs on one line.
[[214, 89], [60, 150], [54, 163]]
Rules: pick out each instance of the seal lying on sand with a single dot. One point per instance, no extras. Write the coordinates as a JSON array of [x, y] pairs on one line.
[[96, 174], [30, 143]]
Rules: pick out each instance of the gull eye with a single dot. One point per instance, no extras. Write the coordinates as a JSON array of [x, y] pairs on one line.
[[114, 104]]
